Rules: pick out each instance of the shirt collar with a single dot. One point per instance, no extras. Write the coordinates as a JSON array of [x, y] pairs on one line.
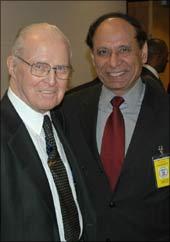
[[132, 98], [153, 70], [30, 117]]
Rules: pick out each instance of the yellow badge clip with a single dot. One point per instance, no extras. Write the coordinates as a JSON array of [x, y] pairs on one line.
[[161, 166]]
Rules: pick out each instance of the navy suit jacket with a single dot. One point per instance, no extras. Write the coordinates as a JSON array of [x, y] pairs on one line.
[[27, 210], [137, 210]]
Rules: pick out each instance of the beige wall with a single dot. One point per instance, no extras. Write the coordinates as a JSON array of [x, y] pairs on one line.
[[73, 17]]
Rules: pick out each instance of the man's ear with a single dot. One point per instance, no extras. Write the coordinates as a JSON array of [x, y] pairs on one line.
[[144, 53], [11, 65], [92, 57]]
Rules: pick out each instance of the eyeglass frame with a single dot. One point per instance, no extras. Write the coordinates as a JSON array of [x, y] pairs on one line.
[[50, 67]]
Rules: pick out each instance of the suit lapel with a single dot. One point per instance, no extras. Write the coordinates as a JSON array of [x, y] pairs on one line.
[[135, 162], [79, 183], [88, 119], [70, 156], [26, 155]]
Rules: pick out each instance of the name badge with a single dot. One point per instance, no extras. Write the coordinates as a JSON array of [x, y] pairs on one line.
[[161, 166]]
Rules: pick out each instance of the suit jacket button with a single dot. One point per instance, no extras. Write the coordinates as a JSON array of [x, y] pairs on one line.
[[112, 204], [108, 240]]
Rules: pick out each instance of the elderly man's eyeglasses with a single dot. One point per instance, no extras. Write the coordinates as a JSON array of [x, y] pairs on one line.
[[41, 69]]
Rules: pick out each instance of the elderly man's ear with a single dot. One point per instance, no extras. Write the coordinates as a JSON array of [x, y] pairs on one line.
[[11, 65]]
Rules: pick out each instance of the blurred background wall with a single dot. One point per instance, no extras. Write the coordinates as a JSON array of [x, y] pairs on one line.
[[73, 17], [155, 16]]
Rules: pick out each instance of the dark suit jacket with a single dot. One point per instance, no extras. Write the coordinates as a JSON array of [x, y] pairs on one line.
[[154, 81], [137, 210], [27, 210]]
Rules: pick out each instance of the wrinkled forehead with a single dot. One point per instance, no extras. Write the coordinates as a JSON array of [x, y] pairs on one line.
[[38, 35], [45, 42]]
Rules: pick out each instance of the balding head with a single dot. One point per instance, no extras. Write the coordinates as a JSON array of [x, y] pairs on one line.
[[35, 32], [40, 66]]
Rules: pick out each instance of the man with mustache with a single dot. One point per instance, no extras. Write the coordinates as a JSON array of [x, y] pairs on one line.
[[132, 204]]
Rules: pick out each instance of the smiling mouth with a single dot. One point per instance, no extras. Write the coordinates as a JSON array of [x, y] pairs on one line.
[[116, 74], [47, 91]]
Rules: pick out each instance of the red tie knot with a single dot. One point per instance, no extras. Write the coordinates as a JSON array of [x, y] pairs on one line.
[[117, 101]]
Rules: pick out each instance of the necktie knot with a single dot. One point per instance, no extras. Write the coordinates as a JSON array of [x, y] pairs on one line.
[[47, 123], [49, 137], [117, 101]]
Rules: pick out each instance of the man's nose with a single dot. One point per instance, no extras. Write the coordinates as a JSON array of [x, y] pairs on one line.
[[52, 77], [114, 59]]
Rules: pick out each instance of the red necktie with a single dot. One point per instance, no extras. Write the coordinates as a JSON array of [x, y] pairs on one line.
[[113, 143]]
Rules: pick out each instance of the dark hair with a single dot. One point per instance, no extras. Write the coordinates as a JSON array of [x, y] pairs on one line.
[[157, 54], [141, 35], [156, 47]]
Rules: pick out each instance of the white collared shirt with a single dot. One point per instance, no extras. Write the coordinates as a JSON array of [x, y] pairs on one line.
[[130, 109], [33, 121]]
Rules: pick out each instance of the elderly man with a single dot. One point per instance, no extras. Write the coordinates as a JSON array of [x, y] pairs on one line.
[[39, 200], [124, 122]]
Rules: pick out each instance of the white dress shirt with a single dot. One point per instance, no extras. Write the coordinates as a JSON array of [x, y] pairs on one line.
[[33, 121]]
